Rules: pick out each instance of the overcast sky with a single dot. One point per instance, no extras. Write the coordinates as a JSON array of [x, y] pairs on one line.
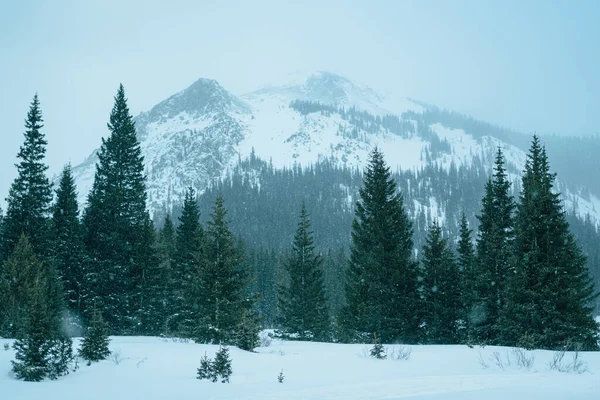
[[528, 65]]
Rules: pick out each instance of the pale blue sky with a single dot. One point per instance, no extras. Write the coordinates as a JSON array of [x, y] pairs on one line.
[[528, 65]]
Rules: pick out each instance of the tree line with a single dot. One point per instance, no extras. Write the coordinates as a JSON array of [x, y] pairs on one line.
[[522, 281]]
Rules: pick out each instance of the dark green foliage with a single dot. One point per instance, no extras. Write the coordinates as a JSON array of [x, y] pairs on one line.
[[188, 252], [165, 295], [280, 377], [29, 197], [550, 296], [493, 261], [61, 357], [466, 269], [41, 349], [302, 302], [217, 293], [94, 346], [381, 286], [118, 237], [206, 370], [440, 290], [21, 270], [247, 336], [68, 253], [377, 351], [222, 365]]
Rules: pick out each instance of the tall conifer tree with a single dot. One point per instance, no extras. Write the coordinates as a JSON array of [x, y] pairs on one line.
[[440, 290], [188, 252], [493, 262], [550, 296], [30, 195], [302, 302], [68, 253], [217, 294], [118, 232], [381, 286], [466, 265]]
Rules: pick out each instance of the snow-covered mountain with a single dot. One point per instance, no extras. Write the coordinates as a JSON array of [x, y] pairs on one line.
[[200, 133]]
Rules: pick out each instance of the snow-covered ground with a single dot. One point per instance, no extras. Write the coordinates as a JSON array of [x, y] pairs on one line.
[[153, 368]]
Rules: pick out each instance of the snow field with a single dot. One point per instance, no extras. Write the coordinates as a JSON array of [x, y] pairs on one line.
[[151, 368]]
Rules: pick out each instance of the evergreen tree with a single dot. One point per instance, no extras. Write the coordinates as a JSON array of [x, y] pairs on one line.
[[222, 365], [29, 197], [189, 241], [20, 272], [217, 295], [550, 296], [166, 296], [34, 345], [117, 225], [466, 265], [440, 290], [42, 350], [206, 370], [94, 346], [493, 262], [302, 302], [248, 332], [67, 250], [381, 286]]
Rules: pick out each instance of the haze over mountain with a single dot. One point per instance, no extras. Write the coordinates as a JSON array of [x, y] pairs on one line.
[[530, 66]]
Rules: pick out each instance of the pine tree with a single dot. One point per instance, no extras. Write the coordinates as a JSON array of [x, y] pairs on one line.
[[493, 261], [42, 350], [68, 253], [247, 336], [117, 226], [302, 301], [217, 295], [30, 195], [20, 272], [34, 345], [440, 289], [381, 285], [550, 296], [222, 365], [377, 351], [466, 265], [189, 244], [94, 346], [206, 370], [166, 296]]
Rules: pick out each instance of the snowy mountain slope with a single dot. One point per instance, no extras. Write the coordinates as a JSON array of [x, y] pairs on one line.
[[200, 133], [153, 368]]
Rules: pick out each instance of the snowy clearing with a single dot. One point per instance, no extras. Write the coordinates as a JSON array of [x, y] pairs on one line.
[[152, 368]]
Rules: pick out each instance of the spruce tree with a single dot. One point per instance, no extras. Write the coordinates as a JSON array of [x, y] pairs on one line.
[[381, 285], [549, 303], [440, 290], [166, 296], [42, 349], [217, 295], [302, 302], [117, 226], [68, 253], [30, 195], [466, 265], [188, 252], [206, 370], [222, 365], [247, 335], [493, 261], [94, 346]]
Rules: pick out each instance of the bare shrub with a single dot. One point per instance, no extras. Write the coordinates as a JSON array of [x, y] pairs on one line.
[[522, 358], [497, 359], [577, 365], [482, 361], [265, 339], [117, 357], [399, 353]]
